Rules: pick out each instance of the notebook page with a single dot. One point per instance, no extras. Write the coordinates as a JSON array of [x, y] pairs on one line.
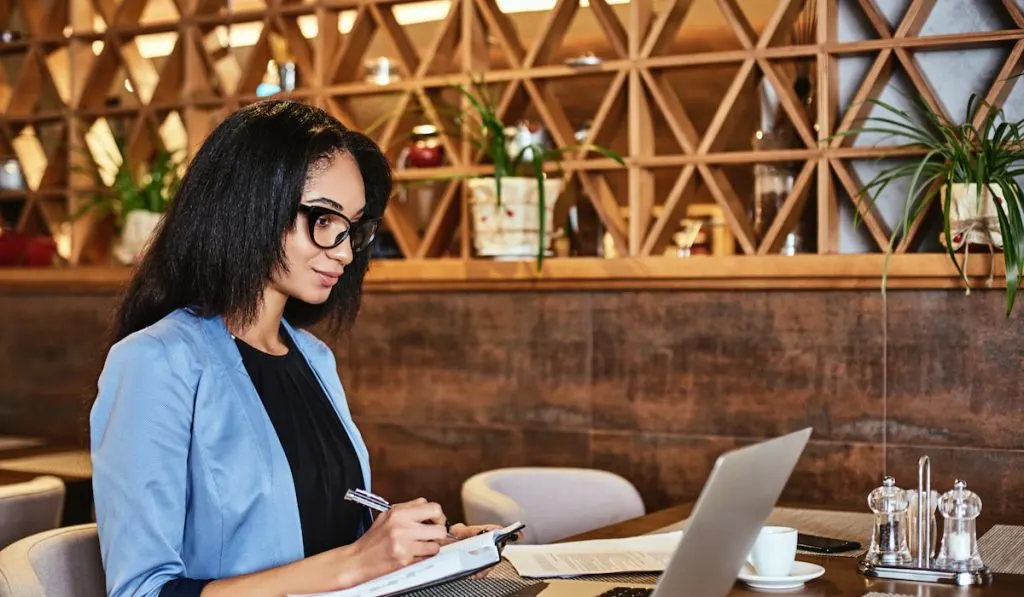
[[648, 553]]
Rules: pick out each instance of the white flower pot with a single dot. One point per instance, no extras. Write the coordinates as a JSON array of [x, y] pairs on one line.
[[138, 229], [511, 229], [973, 221]]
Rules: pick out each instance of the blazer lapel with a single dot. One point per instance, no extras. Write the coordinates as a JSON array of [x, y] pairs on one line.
[[223, 347]]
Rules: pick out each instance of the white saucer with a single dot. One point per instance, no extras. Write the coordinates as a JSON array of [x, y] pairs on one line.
[[801, 573]]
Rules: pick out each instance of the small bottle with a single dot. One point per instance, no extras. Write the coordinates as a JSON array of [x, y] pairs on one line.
[[960, 509], [584, 223], [288, 75], [889, 535]]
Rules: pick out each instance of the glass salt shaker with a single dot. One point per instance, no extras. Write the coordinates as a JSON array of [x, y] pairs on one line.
[[959, 549], [889, 535]]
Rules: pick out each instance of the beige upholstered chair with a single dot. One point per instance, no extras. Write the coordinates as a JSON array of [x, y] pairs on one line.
[[63, 562], [29, 508], [554, 502]]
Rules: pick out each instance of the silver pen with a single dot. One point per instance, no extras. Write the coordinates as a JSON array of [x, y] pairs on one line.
[[376, 502]]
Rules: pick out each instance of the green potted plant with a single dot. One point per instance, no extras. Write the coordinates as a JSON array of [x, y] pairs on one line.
[[513, 208], [137, 200], [971, 170]]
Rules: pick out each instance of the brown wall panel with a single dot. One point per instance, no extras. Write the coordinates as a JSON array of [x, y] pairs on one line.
[[956, 371], [751, 363], [51, 352], [652, 385]]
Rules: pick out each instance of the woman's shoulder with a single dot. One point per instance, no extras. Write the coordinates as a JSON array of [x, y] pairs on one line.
[[177, 334], [159, 366]]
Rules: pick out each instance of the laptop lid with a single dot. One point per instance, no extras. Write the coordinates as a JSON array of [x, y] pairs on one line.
[[739, 495]]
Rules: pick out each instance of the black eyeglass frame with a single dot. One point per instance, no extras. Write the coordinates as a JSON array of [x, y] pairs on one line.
[[313, 212]]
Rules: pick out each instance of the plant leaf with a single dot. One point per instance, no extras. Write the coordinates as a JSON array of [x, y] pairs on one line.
[[947, 199], [538, 172]]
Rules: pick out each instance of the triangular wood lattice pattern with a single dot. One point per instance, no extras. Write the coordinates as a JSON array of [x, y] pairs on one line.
[[137, 75]]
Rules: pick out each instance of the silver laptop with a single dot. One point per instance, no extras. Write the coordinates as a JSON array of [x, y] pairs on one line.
[[737, 499]]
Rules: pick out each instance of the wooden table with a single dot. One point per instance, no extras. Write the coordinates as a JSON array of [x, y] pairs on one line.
[[841, 577], [78, 499]]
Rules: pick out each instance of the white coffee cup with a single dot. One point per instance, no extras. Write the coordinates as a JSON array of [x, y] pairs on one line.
[[774, 551]]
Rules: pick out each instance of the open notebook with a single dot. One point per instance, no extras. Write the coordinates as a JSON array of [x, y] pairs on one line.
[[455, 560]]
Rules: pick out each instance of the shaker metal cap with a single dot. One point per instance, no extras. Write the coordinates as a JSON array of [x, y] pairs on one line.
[[888, 497], [960, 502]]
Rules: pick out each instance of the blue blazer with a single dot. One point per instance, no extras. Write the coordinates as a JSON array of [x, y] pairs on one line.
[[189, 477]]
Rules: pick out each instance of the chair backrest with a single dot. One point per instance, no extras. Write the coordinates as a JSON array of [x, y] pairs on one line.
[[29, 508], [63, 562], [554, 502]]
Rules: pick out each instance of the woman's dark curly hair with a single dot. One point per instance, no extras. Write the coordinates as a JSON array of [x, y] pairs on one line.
[[222, 237]]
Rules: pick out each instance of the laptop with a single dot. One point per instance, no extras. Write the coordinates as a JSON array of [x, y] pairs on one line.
[[734, 504]]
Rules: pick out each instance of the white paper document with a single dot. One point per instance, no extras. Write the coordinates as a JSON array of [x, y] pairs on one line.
[[647, 553], [455, 560]]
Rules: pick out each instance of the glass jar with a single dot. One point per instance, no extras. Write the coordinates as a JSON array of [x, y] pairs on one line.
[[381, 71], [522, 136], [584, 224], [959, 549], [11, 178], [287, 75], [425, 148], [889, 533]]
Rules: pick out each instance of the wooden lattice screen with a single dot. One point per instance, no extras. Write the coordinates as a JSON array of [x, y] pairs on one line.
[[78, 75]]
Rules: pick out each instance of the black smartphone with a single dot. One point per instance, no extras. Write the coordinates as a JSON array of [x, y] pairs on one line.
[[816, 544]]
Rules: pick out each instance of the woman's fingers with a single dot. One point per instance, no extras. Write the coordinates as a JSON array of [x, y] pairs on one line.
[[422, 511], [425, 549], [429, 532], [416, 521], [461, 531]]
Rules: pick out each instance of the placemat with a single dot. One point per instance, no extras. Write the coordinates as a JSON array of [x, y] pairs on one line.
[[1002, 548], [851, 526], [503, 580]]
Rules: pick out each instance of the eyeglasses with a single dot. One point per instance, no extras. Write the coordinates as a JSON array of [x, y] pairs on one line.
[[328, 228]]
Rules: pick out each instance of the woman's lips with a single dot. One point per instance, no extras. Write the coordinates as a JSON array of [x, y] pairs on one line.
[[328, 279]]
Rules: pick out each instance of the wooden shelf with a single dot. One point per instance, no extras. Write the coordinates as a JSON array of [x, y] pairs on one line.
[[641, 99], [14, 47], [668, 161], [802, 272]]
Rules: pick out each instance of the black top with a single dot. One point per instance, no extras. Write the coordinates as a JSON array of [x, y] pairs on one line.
[[320, 454]]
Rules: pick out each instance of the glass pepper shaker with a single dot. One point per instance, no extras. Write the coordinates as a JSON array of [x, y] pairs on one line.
[[959, 549], [889, 535]]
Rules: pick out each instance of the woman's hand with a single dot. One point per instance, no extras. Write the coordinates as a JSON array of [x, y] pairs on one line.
[[406, 534], [461, 531]]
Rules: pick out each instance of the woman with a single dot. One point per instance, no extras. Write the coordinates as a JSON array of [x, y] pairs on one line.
[[222, 444]]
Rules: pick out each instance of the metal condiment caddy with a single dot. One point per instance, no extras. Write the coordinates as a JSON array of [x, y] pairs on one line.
[[894, 554]]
